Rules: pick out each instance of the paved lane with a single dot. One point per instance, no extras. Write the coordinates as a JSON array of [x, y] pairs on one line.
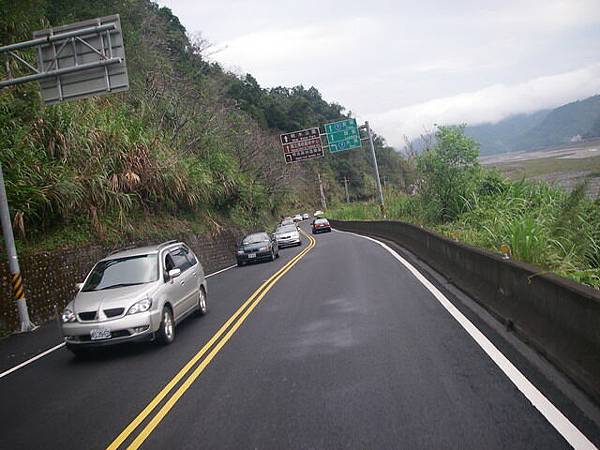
[[346, 350], [350, 351], [61, 402]]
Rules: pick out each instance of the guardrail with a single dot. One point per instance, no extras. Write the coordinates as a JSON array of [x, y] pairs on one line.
[[558, 317]]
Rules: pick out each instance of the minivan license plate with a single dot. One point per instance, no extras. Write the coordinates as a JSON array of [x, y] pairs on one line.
[[251, 255], [100, 333]]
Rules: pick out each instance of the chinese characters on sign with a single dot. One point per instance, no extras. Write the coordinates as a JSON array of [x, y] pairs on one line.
[[301, 145], [342, 135]]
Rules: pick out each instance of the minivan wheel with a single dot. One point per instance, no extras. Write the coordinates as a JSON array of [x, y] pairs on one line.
[[202, 308], [166, 331]]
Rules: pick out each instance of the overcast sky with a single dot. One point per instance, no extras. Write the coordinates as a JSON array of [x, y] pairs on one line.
[[405, 65]]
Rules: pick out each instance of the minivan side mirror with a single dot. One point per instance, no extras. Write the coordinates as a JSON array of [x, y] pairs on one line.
[[79, 286], [174, 273]]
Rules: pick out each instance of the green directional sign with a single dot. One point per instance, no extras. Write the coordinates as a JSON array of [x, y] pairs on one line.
[[342, 135]]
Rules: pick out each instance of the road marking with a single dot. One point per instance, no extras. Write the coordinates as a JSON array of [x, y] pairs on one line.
[[50, 350], [242, 312], [219, 271], [29, 361], [567, 430]]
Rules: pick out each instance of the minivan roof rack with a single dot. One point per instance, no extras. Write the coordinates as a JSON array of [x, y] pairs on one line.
[[122, 249], [164, 244]]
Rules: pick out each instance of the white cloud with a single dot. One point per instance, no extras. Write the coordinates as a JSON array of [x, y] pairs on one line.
[[405, 65], [490, 104]]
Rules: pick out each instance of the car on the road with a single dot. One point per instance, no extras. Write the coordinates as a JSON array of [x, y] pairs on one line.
[[318, 213], [287, 236], [320, 225], [298, 218], [135, 295], [305, 216], [257, 247], [287, 221]]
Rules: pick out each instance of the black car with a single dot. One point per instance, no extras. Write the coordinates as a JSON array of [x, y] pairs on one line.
[[257, 247]]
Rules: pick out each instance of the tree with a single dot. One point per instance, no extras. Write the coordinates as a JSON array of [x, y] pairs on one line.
[[448, 172]]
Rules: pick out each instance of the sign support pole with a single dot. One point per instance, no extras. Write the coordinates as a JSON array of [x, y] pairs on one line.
[[13, 260], [377, 180]]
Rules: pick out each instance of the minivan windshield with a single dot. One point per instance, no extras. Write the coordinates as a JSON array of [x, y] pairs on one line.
[[255, 238], [121, 272]]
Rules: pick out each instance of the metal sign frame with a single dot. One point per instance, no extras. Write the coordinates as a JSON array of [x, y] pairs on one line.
[[74, 61]]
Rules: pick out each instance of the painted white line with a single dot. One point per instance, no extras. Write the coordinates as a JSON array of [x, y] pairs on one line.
[[29, 361], [567, 430], [220, 271]]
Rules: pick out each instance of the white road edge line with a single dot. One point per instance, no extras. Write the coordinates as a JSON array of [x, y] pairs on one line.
[[62, 344], [219, 271], [567, 430], [29, 361]]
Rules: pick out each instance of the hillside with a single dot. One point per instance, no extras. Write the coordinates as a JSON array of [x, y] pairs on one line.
[[189, 145], [502, 137], [545, 128]]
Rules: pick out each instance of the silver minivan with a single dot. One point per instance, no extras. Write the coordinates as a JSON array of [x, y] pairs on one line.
[[135, 295]]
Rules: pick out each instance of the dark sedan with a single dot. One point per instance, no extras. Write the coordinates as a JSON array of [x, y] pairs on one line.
[[257, 247]]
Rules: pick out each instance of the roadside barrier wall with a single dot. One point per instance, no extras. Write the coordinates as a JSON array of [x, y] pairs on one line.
[[558, 317], [50, 277]]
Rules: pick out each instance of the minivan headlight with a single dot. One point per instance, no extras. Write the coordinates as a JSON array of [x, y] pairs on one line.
[[68, 316], [141, 306]]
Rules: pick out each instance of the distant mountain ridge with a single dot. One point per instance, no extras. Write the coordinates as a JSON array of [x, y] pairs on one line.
[[545, 128]]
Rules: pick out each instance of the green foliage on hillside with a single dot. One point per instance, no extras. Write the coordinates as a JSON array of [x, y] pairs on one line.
[[174, 145], [189, 139], [542, 225], [289, 109]]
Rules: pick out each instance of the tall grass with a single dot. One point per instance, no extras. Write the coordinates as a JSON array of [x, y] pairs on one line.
[[541, 224]]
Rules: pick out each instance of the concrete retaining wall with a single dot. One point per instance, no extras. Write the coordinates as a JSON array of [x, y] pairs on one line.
[[558, 317], [50, 277]]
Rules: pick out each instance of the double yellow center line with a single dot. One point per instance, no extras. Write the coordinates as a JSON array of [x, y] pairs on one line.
[[215, 344]]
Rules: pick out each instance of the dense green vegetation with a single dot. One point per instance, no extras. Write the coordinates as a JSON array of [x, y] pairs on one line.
[[189, 141], [542, 225]]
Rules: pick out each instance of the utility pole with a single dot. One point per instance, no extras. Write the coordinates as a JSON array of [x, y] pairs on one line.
[[323, 200], [377, 180], [346, 189], [13, 260]]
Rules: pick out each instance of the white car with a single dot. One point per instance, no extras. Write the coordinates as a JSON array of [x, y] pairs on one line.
[[287, 236], [305, 216], [318, 213], [297, 218]]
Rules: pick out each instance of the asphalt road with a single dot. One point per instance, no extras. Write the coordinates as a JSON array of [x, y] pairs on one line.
[[346, 350]]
